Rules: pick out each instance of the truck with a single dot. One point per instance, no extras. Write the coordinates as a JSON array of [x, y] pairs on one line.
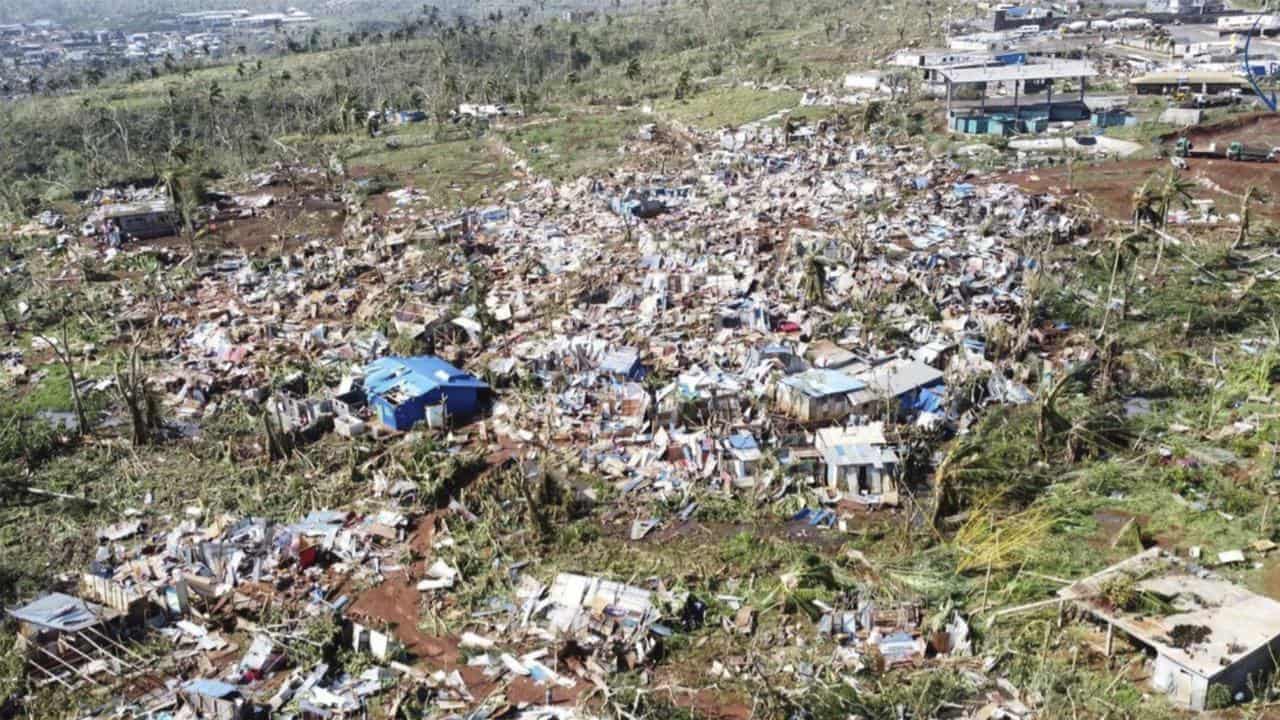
[[1250, 153], [1236, 151]]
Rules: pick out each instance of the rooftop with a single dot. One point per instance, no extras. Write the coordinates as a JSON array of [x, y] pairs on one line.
[[820, 382], [1239, 620], [415, 375], [897, 377], [117, 210], [1169, 77], [64, 613], [1029, 71]]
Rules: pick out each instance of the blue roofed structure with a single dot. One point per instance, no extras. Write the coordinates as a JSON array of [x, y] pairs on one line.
[[401, 389], [211, 688], [623, 362], [817, 394]]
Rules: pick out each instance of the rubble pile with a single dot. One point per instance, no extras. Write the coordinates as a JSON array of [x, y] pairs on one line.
[[776, 319]]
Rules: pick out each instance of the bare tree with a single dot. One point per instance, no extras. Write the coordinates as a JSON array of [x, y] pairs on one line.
[[63, 354], [134, 390]]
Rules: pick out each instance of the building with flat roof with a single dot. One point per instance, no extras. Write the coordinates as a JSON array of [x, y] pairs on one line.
[[1024, 78], [1209, 82], [1202, 629]]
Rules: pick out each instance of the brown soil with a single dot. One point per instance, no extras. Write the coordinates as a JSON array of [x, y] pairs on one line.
[[522, 690], [308, 217], [1109, 186], [396, 602], [1252, 129], [1111, 523], [712, 704]]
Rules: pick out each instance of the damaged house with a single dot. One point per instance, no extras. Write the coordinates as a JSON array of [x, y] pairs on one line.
[[817, 395], [406, 391], [1203, 631], [861, 466], [913, 384]]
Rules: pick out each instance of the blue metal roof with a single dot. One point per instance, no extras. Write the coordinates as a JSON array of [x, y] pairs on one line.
[[742, 441], [57, 611], [416, 375], [622, 361], [821, 382], [212, 688]]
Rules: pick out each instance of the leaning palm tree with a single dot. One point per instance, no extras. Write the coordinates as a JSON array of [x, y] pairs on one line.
[[1175, 189], [1250, 194], [1125, 247], [1144, 205]]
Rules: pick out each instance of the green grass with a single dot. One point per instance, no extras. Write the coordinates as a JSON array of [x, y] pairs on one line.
[[580, 143], [728, 106], [451, 173]]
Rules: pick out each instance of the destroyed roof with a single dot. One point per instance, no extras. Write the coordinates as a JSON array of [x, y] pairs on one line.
[[416, 375], [118, 210], [820, 382], [1239, 620], [64, 613], [211, 688]]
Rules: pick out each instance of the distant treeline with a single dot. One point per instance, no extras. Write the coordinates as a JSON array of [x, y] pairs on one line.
[[249, 111]]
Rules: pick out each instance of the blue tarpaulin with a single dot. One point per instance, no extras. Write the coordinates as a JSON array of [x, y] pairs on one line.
[[924, 399]]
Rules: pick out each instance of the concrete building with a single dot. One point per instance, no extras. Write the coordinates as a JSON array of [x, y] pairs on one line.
[[860, 464], [1201, 630], [1023, 79], [140, 220], [817, 395], [1185, 7]]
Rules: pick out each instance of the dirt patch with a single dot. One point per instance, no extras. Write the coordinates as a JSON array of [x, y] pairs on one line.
[[396, 603], [1109, 186], [523, 690], [1271, 578], [1252, 129], [1111, 523], [294, 220], [711, 704]]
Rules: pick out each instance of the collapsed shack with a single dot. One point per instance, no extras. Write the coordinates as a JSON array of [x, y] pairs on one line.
[[1204, 631], [138, 220], [66, 639]]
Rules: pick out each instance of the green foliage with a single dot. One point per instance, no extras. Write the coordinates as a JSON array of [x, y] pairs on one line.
[[1218, 697]]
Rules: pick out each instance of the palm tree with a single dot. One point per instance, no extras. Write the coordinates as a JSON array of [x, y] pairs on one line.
[[1144, 205], [1125, 247], [683, 84], [1175, 189], [633, 69], [1250, 194]]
